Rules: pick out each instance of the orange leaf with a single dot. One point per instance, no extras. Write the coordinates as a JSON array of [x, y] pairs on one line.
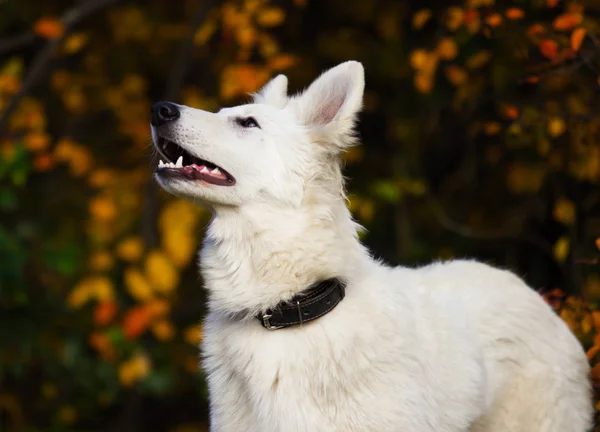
[[104, 312], [44, 162], [514, 13], [549, 48], [567, 21], [136, 321], [552, 3], [511, 112], [535, 29], [577, 38], [471, 15], [494, 20], [598, 242], [49, 28], [532, 79], [592, 352]]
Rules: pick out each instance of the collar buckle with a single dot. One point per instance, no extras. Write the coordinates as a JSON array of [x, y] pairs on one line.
[[266, 321]]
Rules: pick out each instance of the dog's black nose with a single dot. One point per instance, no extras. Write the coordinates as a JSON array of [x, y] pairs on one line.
[[164, 112]]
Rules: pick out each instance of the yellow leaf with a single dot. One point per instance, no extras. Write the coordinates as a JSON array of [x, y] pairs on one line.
[[49, 28], [137, 285], [447, 48], [134, 369], [160, 272], [193, 335], [556, 127], [204, 33], [418, 58], [454, 18], [564, 211], [270, 17], [75, 42], [79, 296], [423, 82], [103, 208], [522, 178], [180, 245], [163, 330], [478, 60], [130, 249], [101, 261], [561, 249], [456, 75], [67, 414], [420, 18], [103, 289], [281, 62]]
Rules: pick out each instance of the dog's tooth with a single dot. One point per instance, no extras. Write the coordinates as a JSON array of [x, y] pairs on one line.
[[204, 169], [161, 164], [216, 171], [179, 163]]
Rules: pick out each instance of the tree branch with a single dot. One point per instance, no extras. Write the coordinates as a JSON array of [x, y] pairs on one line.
[[41, 61]]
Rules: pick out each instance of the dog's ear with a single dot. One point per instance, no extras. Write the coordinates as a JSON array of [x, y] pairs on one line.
[[334, 99], [274, 92]]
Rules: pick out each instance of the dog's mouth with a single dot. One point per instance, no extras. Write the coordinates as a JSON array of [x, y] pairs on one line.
[[180, 163]]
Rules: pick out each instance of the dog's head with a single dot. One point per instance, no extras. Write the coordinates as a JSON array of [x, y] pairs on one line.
[[267, 151]]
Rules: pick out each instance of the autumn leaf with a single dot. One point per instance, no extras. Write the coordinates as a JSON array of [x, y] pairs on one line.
[[420, 18], [134, 369], [160, 272], [535, 29], [455, 17], [447, 49], [49, 28], [43, 162], [193, 335], [577, 38], [163, 330], [136, 322], [270, 17], [598, 245], [514, 14], [103, 208], [561, 249], [564, 211], [549, 48], [100, 261], [567, 21], [493, 20], [104, 312], [75, 43], [456, 75], [137, 285], [556, 127], [130, 249]]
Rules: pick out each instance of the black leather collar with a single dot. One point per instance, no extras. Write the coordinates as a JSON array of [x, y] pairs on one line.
[[307, 306]]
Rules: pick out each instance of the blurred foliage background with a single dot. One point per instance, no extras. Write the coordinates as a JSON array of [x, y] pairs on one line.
[[480, 138]]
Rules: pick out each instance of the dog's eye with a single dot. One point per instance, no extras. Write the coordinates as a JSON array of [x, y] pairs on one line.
[[248, 122]]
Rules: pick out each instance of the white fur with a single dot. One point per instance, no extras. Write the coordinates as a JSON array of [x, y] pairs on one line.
[[456, 346]]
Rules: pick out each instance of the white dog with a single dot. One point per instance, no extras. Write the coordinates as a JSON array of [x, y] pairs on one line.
[[306, 332]]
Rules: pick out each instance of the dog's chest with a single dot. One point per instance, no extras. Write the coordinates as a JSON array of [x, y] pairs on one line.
[[302, 380]]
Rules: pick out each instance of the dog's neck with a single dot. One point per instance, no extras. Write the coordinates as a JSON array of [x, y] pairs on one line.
[[254, 256]]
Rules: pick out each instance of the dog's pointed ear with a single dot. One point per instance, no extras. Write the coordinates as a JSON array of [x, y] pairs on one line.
[[334, 99], [274, 92]]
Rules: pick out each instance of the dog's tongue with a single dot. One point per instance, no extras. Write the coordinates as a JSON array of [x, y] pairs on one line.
[[195, 172]]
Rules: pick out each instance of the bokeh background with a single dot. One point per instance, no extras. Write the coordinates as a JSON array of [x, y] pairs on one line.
[[480, 133]]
